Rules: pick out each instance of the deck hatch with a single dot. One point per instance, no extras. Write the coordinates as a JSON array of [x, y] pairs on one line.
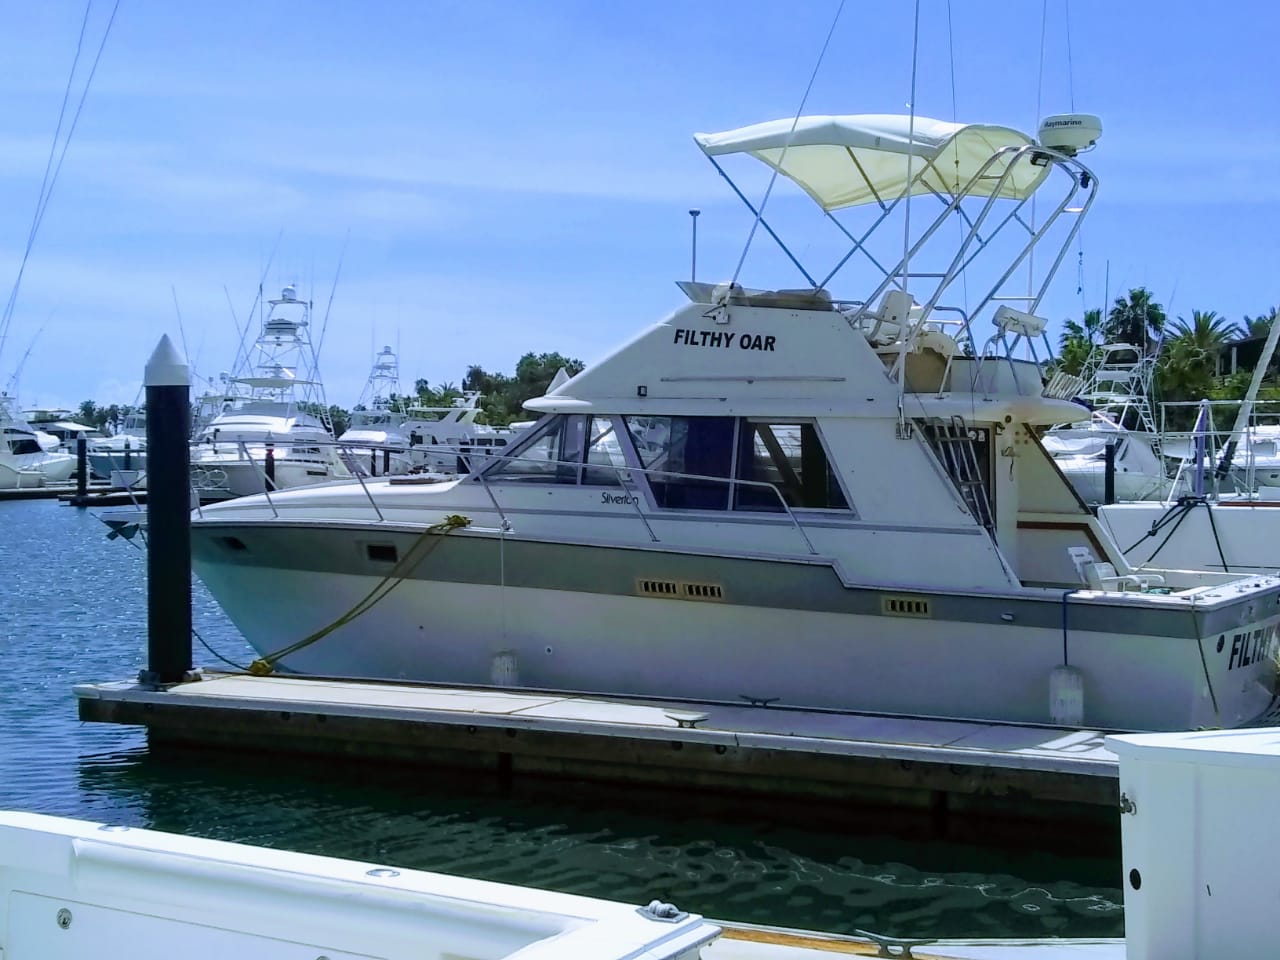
[[679, 589], [894, 606]]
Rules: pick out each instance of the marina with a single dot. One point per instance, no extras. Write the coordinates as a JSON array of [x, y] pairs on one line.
[[717, 853], [894, 584]]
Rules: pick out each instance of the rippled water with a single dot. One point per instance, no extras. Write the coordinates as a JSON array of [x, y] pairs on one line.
[[73, 610]]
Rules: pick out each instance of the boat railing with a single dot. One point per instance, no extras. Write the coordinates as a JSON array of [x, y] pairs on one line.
[[1260, 439], [626, 483], [479, 465]]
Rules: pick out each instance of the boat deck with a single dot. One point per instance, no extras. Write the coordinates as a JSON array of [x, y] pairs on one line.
[[932, 766]]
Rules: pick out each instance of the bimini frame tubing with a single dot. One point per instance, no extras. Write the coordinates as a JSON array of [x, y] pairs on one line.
[[973, 243]]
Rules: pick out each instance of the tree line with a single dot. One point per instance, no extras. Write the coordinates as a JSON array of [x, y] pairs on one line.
[[1186, 349]]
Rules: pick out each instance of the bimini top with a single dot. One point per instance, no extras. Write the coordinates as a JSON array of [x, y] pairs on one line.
[[851, 160]]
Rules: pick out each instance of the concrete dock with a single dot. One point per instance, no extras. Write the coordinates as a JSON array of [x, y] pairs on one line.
[[935, 768]]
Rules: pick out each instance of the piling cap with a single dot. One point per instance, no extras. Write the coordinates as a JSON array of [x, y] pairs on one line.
[[166, 367]]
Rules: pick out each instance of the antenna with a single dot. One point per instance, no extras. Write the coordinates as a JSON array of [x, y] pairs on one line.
[[782, 159], [693, 268], [324, 325], [906, 230], [181, 329]]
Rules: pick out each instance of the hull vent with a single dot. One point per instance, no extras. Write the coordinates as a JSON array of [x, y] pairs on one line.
[[906, 607], [679, 589]]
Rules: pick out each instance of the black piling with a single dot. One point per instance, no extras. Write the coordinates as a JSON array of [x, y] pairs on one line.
[[128, 455], [270, 467], [82, 464], [1109, 475], [168, 518], [386, 463]]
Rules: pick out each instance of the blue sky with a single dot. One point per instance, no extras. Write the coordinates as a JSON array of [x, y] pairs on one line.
[[516, 176]]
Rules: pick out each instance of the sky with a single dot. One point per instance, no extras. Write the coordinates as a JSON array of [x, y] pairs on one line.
[[501, 177]]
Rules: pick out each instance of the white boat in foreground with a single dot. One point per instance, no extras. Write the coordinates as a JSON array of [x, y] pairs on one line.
[[70, 889], [777, 496], [1197, 831]]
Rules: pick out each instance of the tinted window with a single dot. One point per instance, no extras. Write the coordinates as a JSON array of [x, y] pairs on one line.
[[790, 457], [686, 452], [550, 455]]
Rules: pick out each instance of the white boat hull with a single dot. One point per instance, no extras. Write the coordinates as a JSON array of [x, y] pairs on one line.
[[71, 889], [781, 631]]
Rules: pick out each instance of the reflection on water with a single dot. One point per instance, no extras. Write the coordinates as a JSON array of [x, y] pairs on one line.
[[75, 614]]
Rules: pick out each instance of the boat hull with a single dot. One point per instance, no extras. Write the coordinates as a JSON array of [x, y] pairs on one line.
[[477, 610]]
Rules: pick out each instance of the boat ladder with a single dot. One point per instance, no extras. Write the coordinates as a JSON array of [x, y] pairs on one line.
[[954, 443]]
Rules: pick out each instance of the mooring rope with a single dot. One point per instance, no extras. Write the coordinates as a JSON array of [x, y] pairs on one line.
[[265, 664], [1175, 515]]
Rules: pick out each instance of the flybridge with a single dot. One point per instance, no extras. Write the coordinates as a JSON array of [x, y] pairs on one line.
[[981, 174]]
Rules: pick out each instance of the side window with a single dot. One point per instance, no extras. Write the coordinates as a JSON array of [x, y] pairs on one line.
[[791, 458], [685, 456], [549, 455], [604, 454]]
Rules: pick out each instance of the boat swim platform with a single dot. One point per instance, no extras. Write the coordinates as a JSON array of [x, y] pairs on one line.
[[936, 767]]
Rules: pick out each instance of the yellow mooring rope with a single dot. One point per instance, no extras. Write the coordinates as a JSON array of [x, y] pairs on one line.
[[421, 547]]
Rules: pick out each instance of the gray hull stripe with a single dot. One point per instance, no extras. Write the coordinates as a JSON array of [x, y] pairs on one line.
[[774, 583]]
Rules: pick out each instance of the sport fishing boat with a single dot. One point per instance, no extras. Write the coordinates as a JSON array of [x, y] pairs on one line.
[[272, 431], [376, 443], [785, 497], [1117, 395]]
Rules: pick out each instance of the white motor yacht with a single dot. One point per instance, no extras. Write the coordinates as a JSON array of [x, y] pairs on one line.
[[125, 450], [24, 459], [273, 434], [447, 439], [782, 497], [376, 443]]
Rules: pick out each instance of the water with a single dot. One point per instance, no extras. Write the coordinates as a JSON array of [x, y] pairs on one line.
[[74, 611]]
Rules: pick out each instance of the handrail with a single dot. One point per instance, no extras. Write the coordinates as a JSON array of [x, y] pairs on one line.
[[479, 473], [373, 503], [733, 483], [267, 483]]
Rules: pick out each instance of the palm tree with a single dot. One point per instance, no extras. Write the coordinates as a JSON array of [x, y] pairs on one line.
[[1190, 360], [1260, 325], [1078, 339], [1136, 319]]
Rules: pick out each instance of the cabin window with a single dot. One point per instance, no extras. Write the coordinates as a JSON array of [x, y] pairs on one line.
[[790, 457], [551, 454], [604, 454], [686, 457]]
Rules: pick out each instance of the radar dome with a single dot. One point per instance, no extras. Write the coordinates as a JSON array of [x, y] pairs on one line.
[[1069, 133]]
